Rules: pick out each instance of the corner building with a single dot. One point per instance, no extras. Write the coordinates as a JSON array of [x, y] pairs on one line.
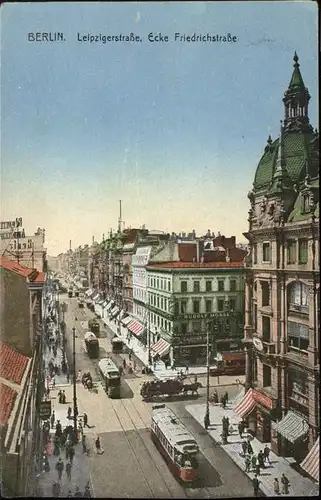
[[282, 289]]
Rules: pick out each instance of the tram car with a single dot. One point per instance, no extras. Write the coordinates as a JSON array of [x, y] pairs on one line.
[[117, 345], [175, 443], [94, 326], [91, 345], [111, 377]]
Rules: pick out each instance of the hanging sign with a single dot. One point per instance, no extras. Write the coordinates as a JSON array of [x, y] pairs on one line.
[[45, 410]]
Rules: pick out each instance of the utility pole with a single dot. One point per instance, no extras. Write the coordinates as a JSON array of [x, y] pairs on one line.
[[207, 412], [74, 380]]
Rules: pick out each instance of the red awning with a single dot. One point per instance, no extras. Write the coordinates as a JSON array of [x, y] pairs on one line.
[[311, 462], [245, 406], [135, 327], [233, 356], [161, 347]]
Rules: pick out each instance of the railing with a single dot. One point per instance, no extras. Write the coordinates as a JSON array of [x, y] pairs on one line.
[[269, 347]]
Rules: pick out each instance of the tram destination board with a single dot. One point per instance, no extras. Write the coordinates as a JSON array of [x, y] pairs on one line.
[[45, 410]]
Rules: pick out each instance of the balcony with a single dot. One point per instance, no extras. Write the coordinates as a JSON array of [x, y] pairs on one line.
[[269, 348], [298, 308]]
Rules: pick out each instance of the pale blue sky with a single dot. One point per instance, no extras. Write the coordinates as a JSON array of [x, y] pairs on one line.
[[173, 129]]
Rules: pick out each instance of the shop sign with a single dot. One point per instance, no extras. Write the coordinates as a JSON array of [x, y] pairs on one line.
[[45, 410], [263, 400]]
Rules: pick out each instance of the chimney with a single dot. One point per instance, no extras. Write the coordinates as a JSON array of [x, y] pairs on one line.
[[228, 258], [194, 234], [197, 251]]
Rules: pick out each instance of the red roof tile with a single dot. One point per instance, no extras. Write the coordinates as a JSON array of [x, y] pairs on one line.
[[7, 399], [26, 272], [40, 278], [193, 265], [12, 364]]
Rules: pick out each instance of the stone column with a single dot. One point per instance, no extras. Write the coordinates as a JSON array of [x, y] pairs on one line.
[[248, 331]]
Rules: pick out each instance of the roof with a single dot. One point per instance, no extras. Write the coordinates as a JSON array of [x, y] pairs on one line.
[[187, 251], [12, 364], [107, 366], [33, 275], [296, 79], [196, 265], [7, 400], [172, 427]]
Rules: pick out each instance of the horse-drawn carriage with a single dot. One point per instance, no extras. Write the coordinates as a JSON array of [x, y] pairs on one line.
[[168, 387], [87, 380]]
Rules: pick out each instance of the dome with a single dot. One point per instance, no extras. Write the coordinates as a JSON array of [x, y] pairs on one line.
[[297, 148]]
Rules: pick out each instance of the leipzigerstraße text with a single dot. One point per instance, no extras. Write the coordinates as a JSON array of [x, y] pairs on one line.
[[153, 37]]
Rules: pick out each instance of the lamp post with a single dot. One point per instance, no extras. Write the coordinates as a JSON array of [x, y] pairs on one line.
[[207, 411], [74, 380]]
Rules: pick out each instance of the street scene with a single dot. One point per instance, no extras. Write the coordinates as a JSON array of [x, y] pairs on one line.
[[160, 250]]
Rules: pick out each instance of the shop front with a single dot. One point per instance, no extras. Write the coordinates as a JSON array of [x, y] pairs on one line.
[[190, 354]]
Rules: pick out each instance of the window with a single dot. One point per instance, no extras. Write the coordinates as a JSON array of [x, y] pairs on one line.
[[221, 286], [183, 307], [220, 304], [266, 329], [169, 286], [291, 251], [232, 304], [208, 306], [265, 293], [299, 294], [196, 306], [196, 286], [255, 253], [196, 326], [162, 303], [267, 378], [158, 283], [183, 328], [208, 286], [266, 252], [183, 286], [232, 285], [157, 301], [298, 335], [303, 251], [305, 204]]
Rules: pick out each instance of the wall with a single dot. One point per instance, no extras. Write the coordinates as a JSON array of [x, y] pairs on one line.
[[15, 312]]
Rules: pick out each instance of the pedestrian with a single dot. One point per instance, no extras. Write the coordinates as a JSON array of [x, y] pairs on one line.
[[78, 492], [68, 470], [67, 449], [59, 468], [135, 366], [60, 396], [256, 484], [266, 453], [276, 486], [87, 493], [249, 447], [98, 445], [186, 368], [55, 489], [240, 429], [226, 397], [285, 485], [71, 454], [63, 397], [247, 463], [69, 412], [85, 417], [253, 461], [80, 427], [223, 402], [52, 419], [56, 446], [166, 364], [154, 364], [53, 383], [124, 364], [260, 458], [227, 424], [244, 448], [58, 428], [257, 468]]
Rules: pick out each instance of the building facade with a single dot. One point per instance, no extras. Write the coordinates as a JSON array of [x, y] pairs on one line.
[[282, 293], [187, 299]]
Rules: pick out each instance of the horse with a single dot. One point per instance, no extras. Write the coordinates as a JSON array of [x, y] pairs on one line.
[[192, 387]]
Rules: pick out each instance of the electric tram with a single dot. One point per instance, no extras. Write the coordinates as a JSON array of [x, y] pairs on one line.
[[175, 443]]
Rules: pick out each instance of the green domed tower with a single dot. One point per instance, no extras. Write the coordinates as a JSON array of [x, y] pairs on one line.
[[288, 170]]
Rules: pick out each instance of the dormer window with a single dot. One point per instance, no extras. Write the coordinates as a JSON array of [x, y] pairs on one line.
[[305, 203]]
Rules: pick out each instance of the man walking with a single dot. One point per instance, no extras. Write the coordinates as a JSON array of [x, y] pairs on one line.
[[68, 470], [266, 454], [52, 419], [98, 446], [85, 420], [256, 484], [71, 454], [59, 468]]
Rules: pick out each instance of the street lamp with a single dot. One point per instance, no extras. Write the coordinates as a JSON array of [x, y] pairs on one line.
[[74, 380], [207, 411]]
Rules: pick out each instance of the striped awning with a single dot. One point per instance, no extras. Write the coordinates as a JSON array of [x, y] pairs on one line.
[[104, 304], [126, 320], [161, 347], [311, 462], [114, 311], [135, 327], [246, 405], [110, 303], [292, 426], [88, 292], [100, 302], [95, 297]]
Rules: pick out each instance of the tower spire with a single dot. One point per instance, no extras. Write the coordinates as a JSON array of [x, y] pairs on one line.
[[281, 180], [296, 100]]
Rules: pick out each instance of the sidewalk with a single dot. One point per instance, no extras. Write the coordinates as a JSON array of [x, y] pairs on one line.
[[299, 485], [141, 352]]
